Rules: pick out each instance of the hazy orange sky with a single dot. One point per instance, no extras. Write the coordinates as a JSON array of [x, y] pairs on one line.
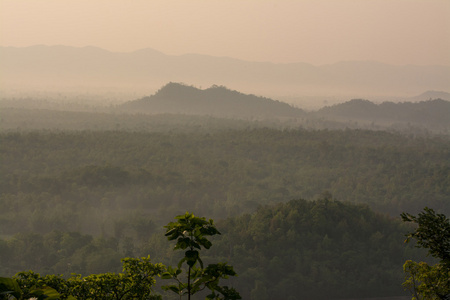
[[313, 31]]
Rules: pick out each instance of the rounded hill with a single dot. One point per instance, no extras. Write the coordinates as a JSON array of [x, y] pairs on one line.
[[215, 101]]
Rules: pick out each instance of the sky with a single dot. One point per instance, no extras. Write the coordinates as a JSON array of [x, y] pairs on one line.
[[399, 32]]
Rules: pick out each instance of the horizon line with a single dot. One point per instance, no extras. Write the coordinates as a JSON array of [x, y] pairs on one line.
[[228, 57]]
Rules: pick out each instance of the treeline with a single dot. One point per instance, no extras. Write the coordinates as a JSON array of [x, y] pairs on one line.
[[322, 249], [110, 118], [114, 182], [107, 119]]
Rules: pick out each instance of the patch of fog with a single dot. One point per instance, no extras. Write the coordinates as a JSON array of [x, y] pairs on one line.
[[69, 98]]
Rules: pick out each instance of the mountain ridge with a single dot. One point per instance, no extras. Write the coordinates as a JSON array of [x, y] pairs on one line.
[[429, 95], [149, 69], [215, 100], [219, 101], [433, 113]]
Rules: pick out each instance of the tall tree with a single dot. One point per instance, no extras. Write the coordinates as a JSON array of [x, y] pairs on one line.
[[432, 233], [191, 233]]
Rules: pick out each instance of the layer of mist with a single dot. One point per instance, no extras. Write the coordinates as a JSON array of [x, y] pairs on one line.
[[94, 70]]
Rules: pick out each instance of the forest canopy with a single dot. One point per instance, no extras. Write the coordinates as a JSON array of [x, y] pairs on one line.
[[78, 181], [77, 201], [317, 249]]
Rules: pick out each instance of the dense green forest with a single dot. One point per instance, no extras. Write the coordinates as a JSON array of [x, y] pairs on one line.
[[320, 249], [77, 201], [93, 181], [301, 249]]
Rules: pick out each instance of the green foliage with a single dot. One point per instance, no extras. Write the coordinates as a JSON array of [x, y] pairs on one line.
[[135, 282], [192, 234], [432, 233], [427, 281], [11, 288], [299, 249], [322, 249]]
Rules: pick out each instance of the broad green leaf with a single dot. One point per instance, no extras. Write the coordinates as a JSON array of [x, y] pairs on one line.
[[166, 275]]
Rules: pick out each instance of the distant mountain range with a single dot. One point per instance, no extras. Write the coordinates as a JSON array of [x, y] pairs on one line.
[[429, 95], [191, 108], [218, 101], [147, 70]]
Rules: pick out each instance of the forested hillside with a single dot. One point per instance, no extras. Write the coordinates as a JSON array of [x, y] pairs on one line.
[[221, 102], [301, 249], [433, 114], [188, 107], [321, 249], [78, 201], [88, 181], [79, 190], [215, 101]]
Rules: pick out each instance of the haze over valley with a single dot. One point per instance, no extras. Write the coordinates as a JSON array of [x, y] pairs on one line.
[[46, 70], [314, 134]]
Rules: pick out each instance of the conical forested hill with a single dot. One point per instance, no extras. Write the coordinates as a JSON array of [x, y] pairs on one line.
[[216, 101]]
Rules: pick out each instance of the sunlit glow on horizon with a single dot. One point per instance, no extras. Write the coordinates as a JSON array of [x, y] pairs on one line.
[[318, 32]]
